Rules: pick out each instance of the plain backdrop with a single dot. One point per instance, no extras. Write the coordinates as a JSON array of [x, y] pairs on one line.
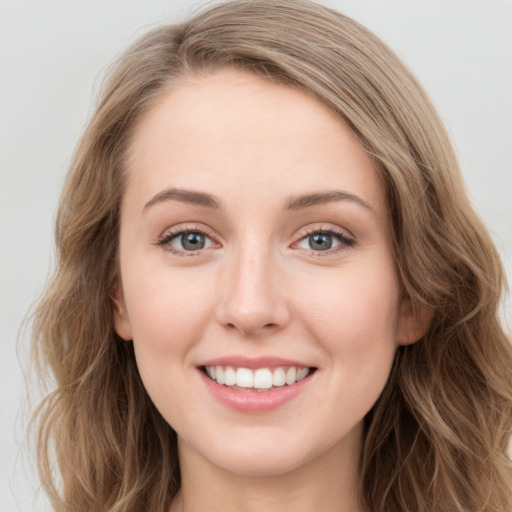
[[52, 58]]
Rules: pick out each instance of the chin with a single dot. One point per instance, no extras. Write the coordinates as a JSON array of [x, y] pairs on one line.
[[263, 455], [261, 464]]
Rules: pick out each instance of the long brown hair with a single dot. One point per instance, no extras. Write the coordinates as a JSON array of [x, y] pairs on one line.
[[436, 440]]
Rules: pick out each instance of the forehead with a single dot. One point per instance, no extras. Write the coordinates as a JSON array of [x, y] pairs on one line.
[[233, 131]]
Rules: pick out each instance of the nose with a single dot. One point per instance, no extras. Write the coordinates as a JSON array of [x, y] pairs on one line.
[[253, 300]]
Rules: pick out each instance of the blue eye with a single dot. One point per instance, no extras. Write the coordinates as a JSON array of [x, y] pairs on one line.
[[324, 240], [185, 241], [320, 241], [191, 241]]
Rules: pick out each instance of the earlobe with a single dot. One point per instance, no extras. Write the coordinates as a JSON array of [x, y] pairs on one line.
[[414, 322], [120, 318]]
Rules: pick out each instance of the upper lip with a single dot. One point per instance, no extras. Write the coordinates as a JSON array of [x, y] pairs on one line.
[[253, 362]]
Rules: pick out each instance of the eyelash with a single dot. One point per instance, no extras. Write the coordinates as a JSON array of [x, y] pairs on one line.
[[344, 240], [165, 240]]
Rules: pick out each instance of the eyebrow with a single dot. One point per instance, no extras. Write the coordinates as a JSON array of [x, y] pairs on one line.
[[316, 198], [294, 203], [184, 196]]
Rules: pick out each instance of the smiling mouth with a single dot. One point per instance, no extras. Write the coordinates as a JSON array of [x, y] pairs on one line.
[[260, 379]]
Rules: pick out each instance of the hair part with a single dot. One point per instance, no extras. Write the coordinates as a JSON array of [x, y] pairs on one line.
[[437, 438]]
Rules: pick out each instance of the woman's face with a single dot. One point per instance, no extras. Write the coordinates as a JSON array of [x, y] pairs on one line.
[[255, 248]]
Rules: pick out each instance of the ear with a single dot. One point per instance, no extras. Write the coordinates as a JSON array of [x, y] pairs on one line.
[[414, 322], [120, 318]]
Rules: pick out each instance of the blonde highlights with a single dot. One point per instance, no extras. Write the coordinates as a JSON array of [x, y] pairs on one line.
[[436, 440]]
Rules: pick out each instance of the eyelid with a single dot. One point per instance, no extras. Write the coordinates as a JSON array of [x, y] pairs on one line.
[[170, 234], [322, 227], [344, 236]]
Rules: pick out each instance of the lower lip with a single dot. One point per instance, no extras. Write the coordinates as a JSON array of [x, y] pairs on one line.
[[254, 401]]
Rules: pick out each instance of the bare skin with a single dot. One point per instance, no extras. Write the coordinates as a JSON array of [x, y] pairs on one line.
[[293, 491], [254, 228]]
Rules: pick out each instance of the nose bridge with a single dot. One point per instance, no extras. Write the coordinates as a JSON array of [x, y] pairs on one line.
[[251, 299]]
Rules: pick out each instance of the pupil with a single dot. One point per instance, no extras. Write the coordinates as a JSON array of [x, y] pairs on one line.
[[192, 241], [320, 242]]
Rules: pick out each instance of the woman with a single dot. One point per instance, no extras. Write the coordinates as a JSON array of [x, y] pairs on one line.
[[272, 291]]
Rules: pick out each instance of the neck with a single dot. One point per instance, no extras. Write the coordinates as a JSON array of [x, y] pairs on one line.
[[329, 483]]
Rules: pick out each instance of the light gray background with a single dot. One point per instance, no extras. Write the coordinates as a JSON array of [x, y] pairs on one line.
[[52, 55]]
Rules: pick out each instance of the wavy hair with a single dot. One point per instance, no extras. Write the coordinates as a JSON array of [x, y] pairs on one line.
[[437, 438]]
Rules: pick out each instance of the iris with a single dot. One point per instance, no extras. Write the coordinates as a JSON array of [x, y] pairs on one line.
[[320, 241], [193, 241]]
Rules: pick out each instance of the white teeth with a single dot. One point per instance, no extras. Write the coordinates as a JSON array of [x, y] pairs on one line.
[[262, 378], [301, 373], [244, 378], [291, 376], [220, 375], [279, 377], [229, 376]]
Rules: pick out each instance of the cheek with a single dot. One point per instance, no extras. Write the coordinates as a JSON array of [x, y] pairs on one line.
[[355, 300], [168, 312], [354, 317]]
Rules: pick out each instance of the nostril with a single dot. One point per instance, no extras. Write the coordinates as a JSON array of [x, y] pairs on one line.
[[231, 325], [266, 327]]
